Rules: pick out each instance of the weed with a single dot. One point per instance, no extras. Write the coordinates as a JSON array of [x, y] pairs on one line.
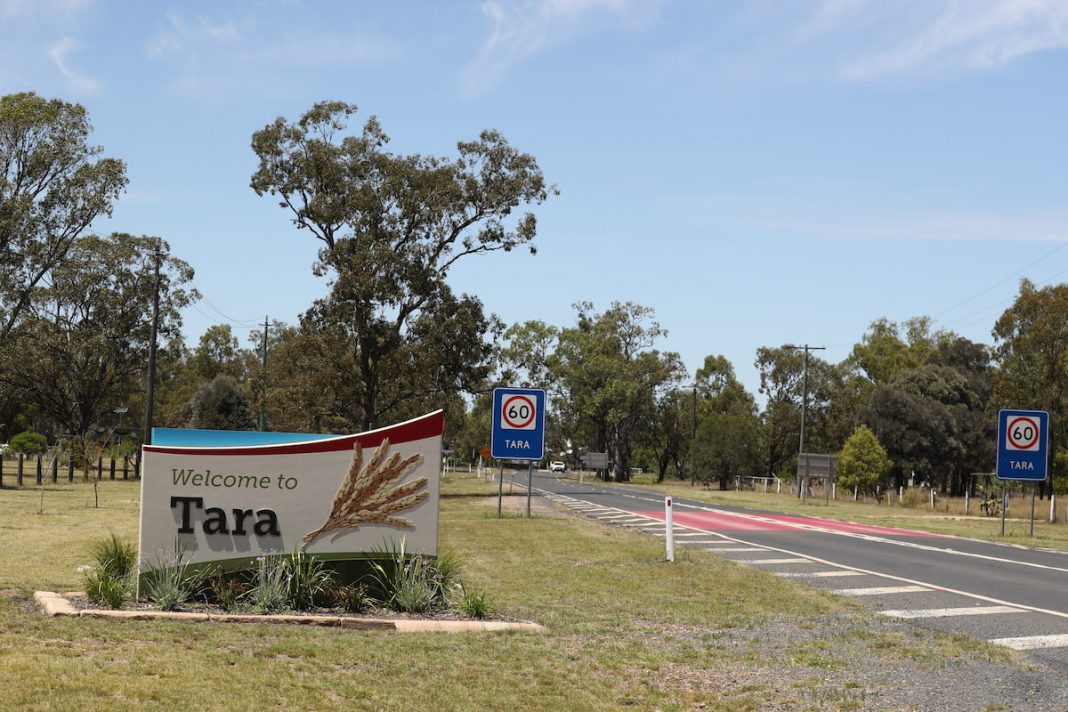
[[475, 603]]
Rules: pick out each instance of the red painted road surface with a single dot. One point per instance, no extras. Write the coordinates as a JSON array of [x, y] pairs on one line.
[[727, 522]]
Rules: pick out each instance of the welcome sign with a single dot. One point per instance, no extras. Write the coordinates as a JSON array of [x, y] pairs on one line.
[[337, 497]]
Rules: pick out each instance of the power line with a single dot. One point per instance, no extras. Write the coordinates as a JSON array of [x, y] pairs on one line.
[[994, 286]]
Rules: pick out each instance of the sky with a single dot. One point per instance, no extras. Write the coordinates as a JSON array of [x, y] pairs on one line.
[[758, 172]]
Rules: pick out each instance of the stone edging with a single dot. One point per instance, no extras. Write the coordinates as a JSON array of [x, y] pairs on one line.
[[55, 604]]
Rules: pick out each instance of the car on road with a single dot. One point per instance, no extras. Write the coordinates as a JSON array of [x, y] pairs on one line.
[[557, 466]]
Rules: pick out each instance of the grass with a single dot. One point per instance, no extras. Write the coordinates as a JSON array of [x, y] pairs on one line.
[[626, 629]]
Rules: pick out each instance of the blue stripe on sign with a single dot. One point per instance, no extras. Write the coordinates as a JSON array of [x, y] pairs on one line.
[[189, 437]]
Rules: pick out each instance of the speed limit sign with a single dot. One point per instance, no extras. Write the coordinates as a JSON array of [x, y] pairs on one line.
[[1023, 439], [518, 424], [518, 412]]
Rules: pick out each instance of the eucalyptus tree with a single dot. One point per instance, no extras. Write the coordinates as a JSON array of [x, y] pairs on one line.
[[390, 227], [84, 338], [1031, 350], [53, 185], [610, 376], [727, 442]]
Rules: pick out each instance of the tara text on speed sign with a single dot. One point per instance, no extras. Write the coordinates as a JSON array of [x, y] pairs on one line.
[[1023, 439], [518, 424]]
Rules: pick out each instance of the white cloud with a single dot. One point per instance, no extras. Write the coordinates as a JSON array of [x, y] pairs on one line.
[[522, 30], [942, 226], [181, 34], [13, 9], [59, 53], [217, 58], [888, 38]]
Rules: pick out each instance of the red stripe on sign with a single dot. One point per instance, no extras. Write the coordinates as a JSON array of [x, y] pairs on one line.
[[427, 426]]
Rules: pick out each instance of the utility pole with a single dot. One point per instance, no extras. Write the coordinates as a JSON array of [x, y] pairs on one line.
[[693, 436], [150, 394], [263, 401], [804, 410]]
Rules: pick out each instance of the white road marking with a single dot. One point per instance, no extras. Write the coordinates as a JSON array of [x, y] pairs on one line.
[[880, 590], [822, 574], [706, 542], [797, 560], [741, 548], [891, 577], [1033, 642], [950, 612]]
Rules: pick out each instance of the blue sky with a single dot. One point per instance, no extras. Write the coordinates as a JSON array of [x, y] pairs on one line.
[[759, 172]]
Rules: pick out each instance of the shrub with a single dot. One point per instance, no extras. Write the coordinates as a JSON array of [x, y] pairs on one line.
[[354, 598], [915, 498], [104, 589], [29, 443], [270, 591], [117, 558], [228, 591], [411, 584], [107, 581], [306, 579], [172, 583]]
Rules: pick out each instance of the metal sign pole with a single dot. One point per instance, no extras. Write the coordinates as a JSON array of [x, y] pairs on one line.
[[1032, 510], [1004, 506], [530, 485], [500, 490]]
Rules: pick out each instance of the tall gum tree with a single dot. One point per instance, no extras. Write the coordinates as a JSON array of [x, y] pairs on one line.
[[53, 185], [1031, 351], [610, 376], [85, 336], [390, 227]]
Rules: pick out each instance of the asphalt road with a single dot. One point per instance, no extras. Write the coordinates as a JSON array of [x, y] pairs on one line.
[[1011, 595]]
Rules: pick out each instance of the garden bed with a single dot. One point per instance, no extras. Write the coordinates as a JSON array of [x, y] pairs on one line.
[[77, 605]]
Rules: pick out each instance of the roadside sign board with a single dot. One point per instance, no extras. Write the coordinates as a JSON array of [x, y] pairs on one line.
[[484, 452], [1023, 445], [596, 460], [518, 431]]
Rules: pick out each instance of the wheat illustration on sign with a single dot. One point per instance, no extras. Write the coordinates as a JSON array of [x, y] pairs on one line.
[[370, 495]]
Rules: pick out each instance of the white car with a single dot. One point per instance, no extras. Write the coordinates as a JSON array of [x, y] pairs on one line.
[[557, 466]]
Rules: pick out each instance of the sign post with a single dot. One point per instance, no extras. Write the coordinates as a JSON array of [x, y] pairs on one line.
[[518, 430], [1023, 451]]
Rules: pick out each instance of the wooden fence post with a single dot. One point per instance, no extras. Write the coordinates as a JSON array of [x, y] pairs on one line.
[[18, 471], [99, 466], [55, 469], [70, 468], [125, 467], [40, 472], [137, 465], [112, 469], [1, 470]]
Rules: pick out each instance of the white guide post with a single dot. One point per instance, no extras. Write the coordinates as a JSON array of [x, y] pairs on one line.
[[669, 533]]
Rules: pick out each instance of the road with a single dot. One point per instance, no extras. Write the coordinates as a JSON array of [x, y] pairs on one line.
[[1010, 595]]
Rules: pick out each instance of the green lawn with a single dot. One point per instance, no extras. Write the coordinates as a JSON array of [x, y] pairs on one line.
[[626, 629]]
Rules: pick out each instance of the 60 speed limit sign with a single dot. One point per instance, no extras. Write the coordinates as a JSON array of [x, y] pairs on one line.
[[518, 424], [1023, 438]]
